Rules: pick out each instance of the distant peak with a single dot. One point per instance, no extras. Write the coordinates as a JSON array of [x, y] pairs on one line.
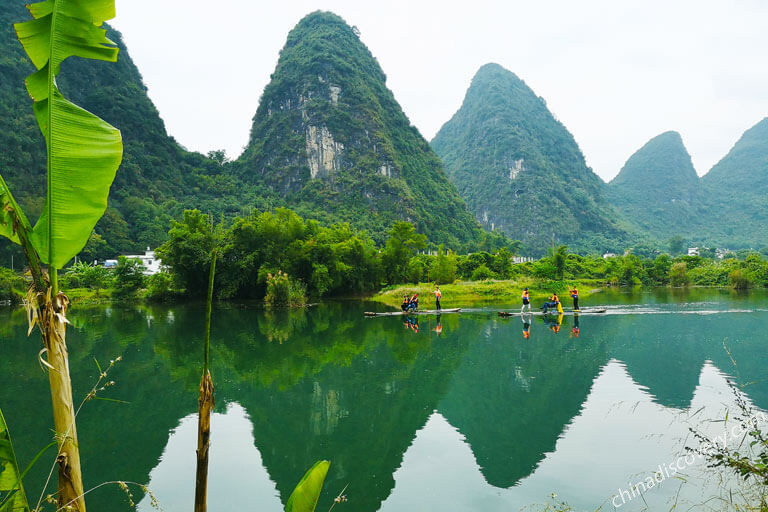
[[494, 70], [322, 16]]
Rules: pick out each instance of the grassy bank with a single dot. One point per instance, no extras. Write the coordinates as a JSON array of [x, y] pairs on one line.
[[490, 292]]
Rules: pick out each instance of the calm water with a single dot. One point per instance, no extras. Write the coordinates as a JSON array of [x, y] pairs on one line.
[[471, 418]]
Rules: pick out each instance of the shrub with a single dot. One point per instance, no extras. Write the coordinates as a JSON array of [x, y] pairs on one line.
[[739, 279], [160, 287], [444, 267], [12, 285], [83, 275], [678, 275], [482, 273], [284, 291], [129, 277]]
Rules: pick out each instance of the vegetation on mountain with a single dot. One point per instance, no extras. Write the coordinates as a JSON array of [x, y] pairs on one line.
[[736, 193], [157, 180], [521, 171], [330, 141], [658, 189]]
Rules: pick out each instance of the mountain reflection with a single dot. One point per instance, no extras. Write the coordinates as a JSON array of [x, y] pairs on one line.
[[326, 383]]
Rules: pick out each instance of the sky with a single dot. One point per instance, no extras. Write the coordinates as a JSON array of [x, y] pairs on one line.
[[615, 72]]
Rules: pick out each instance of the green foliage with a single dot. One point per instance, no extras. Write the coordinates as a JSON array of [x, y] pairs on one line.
[[188, 251], [676, 245], [328, 89], [12, 285], [678, 275], [444, 267], [660, 270], [84, 151], [502, 263], [657, 190], [402, 244], [157, 177], [161, 287], [304, 497], [284, 291], [12, 496], [483, 273], [84, 275], [739, 279], [520, 170], [559, 256], [129, 277]]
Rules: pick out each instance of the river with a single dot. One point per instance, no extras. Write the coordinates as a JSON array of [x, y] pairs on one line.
[[461, 412]]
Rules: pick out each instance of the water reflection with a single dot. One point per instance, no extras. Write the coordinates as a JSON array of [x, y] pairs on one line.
[[478, 411]]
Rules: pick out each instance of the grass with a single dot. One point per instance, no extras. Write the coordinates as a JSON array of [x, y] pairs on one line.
[[479, 293]]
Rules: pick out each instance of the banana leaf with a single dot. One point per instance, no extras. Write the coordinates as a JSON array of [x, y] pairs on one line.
[[12, 497], [304, 497], [84, 151]]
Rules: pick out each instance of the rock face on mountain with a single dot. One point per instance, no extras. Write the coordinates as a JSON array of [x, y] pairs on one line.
[[330, 141], [521, 171], [157, 177], [658, 189]]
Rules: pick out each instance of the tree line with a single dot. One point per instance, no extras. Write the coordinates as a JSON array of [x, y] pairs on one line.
[[282, 258]]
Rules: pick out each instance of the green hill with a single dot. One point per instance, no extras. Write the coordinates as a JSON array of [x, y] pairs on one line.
[[157, 178], [736, 192], [330, 141], [658, 189], [521, 171]]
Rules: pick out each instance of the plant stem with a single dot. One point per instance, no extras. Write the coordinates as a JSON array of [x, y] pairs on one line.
[[54, 330], [208, 307], [54, 276], [205, 403]]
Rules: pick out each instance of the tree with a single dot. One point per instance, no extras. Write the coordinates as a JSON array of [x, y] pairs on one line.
[[402, 244], [676, 245], [129, 277], [661, 266], [444, 267], [559, 257], [83, 154], [502, 263], [188, 251], [678, 275]]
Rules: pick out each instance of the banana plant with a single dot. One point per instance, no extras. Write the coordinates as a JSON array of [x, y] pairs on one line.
[[304, 497], [12, 497], [83, 154]]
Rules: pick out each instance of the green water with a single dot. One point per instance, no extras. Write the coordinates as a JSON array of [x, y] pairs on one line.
[[474, 417]]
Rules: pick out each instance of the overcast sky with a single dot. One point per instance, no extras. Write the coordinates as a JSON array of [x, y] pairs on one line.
[[615, 72]]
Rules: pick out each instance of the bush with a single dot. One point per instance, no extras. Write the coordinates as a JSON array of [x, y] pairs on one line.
[[739, 279], [444, 267], [284, 291], [83, 275], [678, 275], [160, 287], [482, 273], [129, 277], [12, 285]]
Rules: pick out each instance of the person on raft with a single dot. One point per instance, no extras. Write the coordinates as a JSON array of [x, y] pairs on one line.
[[406, 301], [438, 296], [553, 303], [575, 296], [526, 326], [526, 301], [413, 304]]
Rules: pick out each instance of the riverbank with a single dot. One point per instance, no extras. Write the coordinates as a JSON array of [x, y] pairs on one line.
[[489, 292]]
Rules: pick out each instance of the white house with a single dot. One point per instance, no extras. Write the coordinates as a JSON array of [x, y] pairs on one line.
[[152, 265], [693, 251]]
